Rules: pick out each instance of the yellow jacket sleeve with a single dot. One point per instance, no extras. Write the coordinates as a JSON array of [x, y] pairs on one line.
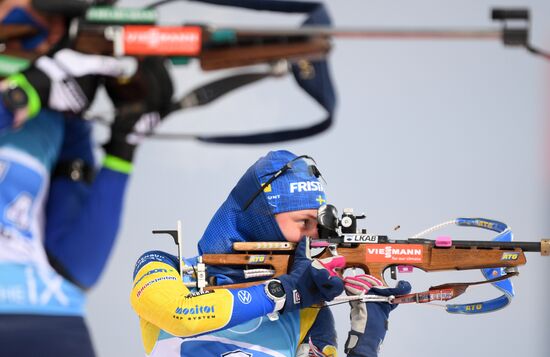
[[160, 297]]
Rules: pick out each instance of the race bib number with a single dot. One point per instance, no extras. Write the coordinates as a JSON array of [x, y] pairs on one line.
[[18, 211]]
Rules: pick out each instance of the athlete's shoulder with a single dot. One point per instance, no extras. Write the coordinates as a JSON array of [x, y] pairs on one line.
[[155, 256]]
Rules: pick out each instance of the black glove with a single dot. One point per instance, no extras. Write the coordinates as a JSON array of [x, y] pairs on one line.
[[140, 105]]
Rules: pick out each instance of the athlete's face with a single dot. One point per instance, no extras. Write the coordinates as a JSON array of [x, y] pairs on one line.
[[297, 224]]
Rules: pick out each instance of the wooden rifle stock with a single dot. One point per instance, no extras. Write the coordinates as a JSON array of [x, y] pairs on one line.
[[246, 51], [231, 57], [430, 258], [13, 32], [277, 256], [93, 41], [374, 259], [10, 32]]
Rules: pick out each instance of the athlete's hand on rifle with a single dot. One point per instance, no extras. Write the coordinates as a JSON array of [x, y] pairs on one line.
[[140, 105], [369, 321], [311, 281], [65, 81]]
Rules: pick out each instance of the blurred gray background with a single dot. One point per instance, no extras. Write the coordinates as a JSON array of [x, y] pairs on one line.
[[426, 131]]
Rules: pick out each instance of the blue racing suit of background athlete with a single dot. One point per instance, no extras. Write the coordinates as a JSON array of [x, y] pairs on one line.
[[56, 231], [71, 223]]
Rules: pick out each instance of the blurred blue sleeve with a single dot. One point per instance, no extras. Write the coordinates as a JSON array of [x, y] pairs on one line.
[[82, 220], [6, 118]]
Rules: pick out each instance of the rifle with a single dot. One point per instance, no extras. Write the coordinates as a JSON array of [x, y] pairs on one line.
[[133, 32], [498, 259], [9, 32]]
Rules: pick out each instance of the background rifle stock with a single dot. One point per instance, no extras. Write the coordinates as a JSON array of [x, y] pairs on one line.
[[435, 130], [15, 31], [212, 59], [90, 41]]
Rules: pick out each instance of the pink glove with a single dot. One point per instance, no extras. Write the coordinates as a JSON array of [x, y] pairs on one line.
[[355, 285], [330, 264]]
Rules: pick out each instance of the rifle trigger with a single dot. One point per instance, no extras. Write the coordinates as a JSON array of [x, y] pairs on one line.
[[333, 249], [393, 272]]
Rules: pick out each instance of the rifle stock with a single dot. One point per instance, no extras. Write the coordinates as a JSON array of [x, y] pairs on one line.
[[431, 258], [276, 256], [93, 42], [231, 57], [214, 55], [375, 259], [9, 32]]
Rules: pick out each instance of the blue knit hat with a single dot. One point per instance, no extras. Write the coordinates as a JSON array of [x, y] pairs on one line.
[[247, 215], [298, 186]]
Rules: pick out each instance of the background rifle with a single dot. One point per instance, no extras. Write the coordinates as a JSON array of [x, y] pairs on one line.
[[110, 31], [132, 32], [10, 32]]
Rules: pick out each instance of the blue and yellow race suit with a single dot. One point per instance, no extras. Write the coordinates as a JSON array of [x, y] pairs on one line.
[[176, 321]]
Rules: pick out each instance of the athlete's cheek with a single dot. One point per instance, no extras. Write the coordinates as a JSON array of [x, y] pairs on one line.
[[297, 232], [295, 236]]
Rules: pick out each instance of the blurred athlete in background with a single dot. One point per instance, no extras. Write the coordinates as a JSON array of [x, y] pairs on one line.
[[59, 212]]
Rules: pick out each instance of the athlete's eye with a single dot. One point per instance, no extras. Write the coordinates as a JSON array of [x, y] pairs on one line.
[[309, 223]]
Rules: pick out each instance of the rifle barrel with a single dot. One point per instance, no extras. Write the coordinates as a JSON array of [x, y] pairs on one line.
[[525, 246], [372, 33], [543, 246]]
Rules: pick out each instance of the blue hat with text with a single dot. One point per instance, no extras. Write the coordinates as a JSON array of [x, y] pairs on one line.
[[292, 182]]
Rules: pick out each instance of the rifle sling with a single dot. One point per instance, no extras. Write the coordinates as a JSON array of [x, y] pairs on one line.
[[445, 292], [214, 90], [319, 86]]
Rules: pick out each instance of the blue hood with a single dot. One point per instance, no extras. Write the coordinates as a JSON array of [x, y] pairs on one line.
[[257, 223]]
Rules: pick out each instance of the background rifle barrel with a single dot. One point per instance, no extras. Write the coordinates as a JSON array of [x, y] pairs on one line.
[[370, 33]]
